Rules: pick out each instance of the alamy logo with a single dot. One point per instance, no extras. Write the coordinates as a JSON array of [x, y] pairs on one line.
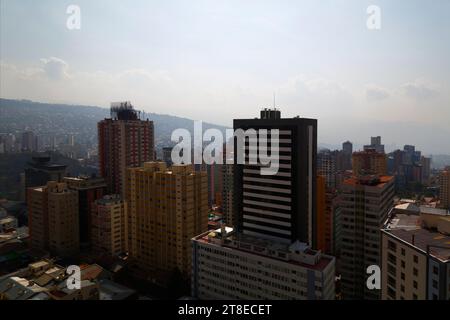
[[74, 20], [374, 19], [252, 147], [374, 280], [74, 279]]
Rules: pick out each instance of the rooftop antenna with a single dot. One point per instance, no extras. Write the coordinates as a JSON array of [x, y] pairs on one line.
[[274, 99]]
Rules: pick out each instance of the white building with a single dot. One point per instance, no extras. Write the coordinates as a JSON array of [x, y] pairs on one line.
[[245, 267]]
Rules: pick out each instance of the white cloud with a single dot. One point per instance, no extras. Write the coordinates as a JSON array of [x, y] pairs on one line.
[[420, 90], [55, 68], [375, 93]]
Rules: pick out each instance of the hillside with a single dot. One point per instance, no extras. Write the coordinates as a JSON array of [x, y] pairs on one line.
[[63, 119]]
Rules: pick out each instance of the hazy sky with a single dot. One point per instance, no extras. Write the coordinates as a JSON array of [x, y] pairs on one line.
[[217, 60]]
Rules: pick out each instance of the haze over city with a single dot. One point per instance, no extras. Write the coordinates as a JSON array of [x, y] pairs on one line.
[[216, 61]]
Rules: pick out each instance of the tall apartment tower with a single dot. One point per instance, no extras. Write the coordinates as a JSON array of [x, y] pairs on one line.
[[444, 190], [228, 202], [109, 226], [347, 151], [369, 161], [89, 189], [53, 219], [365, 203], [166, 208], [280, 207], [124, 141], [327, 167]]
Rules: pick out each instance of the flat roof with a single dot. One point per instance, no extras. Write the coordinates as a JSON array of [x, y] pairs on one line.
[[407, 227], [378, 182], [422, 238], [269, 245]]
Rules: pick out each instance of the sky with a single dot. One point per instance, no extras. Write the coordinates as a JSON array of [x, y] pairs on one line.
[[216, 60]]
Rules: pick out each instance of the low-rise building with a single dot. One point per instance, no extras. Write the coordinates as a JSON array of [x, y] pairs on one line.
[[229, 266], [416, 254], [8, 223], [45, 280]]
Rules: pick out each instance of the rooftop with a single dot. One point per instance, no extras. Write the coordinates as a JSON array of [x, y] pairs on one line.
[[410, 227], [296, 253], [421, 238], [370, 181]]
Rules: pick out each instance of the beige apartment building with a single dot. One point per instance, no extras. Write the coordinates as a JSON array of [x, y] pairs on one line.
[[166, 208], [109, 226], [369, 161], [53, 219], [365, 203]]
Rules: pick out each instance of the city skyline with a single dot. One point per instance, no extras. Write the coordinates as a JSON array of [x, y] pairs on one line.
[[225, 150], [321, 61]]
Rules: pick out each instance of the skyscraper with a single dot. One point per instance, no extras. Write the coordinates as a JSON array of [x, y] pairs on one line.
[[89, 189], [444, 188], [327, 166], [346, 157], [365, 203], [166, 208], [280, 207], [269, 254], [124, 141], [375, 143], [228, 201]]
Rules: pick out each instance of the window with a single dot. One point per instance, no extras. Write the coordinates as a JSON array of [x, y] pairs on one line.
[[416, 259], [391, 293], [403, 264], [392, 245], [435, 270], [415, 284], [415, 272], [435, 284], [403, 276], [403, 251], [392, 259]]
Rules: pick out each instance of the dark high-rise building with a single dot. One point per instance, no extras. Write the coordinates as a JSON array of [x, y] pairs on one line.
[[281, 207], [124, 141], [40, 170], [375, 143], [347, 151], [89, 189]]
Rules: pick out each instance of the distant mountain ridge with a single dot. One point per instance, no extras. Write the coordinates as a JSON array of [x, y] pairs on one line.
[[21, 115]]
